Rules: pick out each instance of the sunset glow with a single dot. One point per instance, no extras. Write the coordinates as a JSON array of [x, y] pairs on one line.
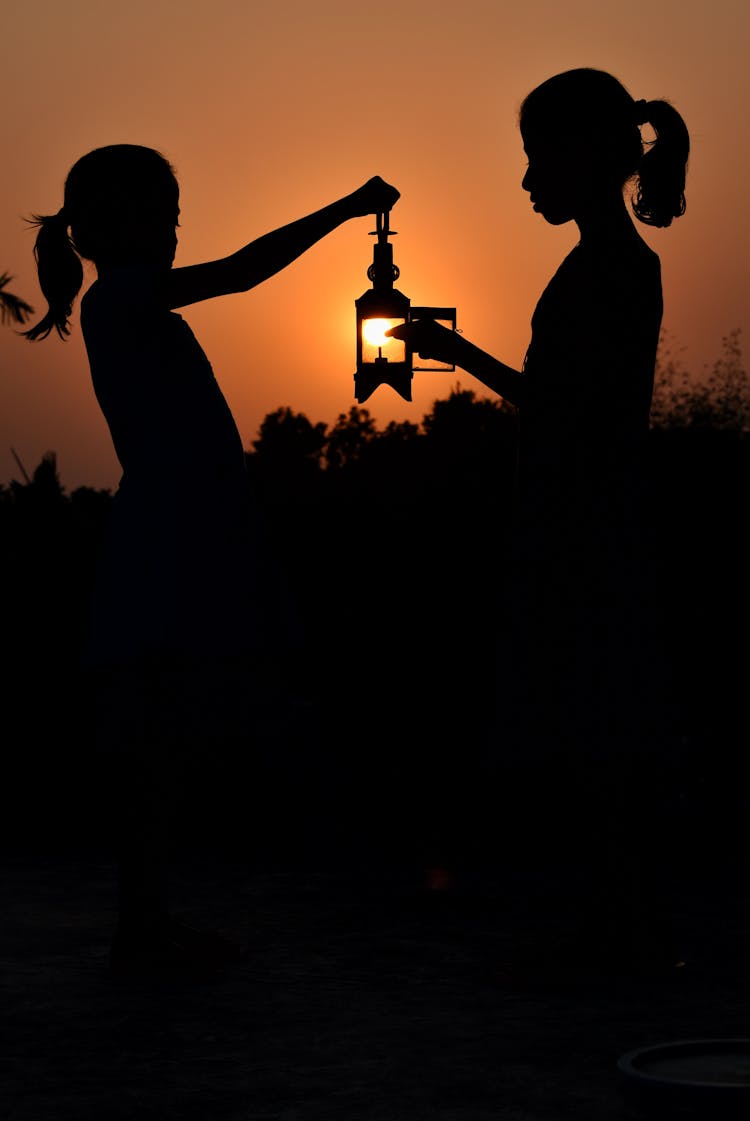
[[268, 113]]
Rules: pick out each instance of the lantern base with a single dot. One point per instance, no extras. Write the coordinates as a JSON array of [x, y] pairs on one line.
[[367, 381]]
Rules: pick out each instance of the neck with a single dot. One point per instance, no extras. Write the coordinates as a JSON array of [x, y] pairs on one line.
[[606, 218]]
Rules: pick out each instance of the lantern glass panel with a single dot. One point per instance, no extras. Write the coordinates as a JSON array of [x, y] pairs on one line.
[[377, 345]]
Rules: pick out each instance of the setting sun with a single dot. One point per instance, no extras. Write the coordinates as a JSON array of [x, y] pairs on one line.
[[373, 331]]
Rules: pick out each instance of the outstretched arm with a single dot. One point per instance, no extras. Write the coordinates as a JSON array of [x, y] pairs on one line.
[[273, 251], [429, 339]]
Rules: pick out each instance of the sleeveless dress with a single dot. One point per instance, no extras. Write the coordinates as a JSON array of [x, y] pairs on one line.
[[578, 656], [191, 628], [185, 573]]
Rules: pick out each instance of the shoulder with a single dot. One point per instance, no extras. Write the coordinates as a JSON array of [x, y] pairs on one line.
[[124, 285], [624, 273], [125, 294]]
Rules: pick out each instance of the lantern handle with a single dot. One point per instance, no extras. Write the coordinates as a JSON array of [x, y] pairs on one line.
[[382, 232]]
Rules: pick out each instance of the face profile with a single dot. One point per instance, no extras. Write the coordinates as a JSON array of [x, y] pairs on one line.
[[548, 185], [156, 238], [559, 178]]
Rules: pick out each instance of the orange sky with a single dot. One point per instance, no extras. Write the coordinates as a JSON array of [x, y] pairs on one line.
[[270, 111]]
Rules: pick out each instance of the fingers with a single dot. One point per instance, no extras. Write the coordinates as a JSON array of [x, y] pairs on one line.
[[380, 196], [391, 193], [415, 335], [428, 339], [418, 331]]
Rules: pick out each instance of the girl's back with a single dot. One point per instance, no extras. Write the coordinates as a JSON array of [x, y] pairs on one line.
[[168, 418]]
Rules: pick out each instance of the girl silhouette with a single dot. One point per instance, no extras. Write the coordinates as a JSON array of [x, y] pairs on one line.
[[184, 637], [576, 673]]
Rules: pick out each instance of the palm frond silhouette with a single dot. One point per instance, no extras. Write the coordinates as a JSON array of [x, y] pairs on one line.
[[12, 308]]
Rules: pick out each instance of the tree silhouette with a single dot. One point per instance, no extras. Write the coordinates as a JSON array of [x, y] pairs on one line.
[[12, 308], [720, 401], [285, 437], [392, 541], [352, 432]]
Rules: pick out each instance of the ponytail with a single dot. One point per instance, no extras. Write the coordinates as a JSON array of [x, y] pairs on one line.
[[660, 191], [60, 274]]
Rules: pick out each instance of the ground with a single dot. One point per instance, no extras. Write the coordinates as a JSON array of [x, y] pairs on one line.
[[364, 997]]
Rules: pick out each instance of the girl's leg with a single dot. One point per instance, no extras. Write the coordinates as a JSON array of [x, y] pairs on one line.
[[145, 717]]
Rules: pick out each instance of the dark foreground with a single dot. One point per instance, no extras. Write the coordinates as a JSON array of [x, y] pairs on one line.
[[363, 997]]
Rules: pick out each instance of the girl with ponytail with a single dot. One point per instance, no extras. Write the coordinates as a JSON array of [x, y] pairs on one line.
[[577, 676], [189, 639]]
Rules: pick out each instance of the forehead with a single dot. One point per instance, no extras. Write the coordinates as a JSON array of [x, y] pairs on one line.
[[158, 193], [546, 145]]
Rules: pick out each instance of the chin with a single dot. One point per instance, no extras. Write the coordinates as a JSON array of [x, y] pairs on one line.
[[553, 217]]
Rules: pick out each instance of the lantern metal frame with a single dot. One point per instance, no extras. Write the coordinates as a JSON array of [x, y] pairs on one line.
[[383, 301]]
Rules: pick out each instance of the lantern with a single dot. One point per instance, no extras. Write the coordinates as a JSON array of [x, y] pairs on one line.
[[381, 359]]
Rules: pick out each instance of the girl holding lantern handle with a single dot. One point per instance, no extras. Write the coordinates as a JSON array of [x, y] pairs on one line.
[[181, 641], [577, 669]]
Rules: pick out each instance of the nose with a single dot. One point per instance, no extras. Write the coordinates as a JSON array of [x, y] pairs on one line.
[[526, 181]]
